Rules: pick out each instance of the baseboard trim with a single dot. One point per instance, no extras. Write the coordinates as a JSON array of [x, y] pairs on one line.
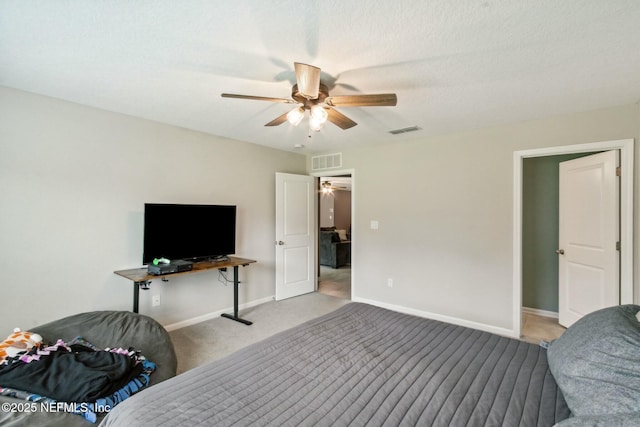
[[215, 314], [538, 312], [448, 319]]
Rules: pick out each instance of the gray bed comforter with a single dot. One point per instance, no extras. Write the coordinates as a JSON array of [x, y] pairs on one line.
[[360, 365]]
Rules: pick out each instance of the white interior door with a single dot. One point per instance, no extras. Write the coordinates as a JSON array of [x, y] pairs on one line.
[[589, 276], [295, 235]]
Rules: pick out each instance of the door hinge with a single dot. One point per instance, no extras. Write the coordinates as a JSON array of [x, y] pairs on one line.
[[617, 246], [618, 171]]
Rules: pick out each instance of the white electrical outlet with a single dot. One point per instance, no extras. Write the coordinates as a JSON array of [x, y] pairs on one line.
[[390, 282], [155, 301]]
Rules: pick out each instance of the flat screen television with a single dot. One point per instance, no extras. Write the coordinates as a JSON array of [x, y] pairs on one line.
[[188, 232]]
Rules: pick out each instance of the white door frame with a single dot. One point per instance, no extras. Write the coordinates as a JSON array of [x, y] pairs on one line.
[[339, 172], [626, 215]]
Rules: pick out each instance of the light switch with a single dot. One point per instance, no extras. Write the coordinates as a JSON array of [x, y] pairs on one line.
[[374, 224]]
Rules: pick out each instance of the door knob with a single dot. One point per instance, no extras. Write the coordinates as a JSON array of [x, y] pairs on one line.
[[280, 242], [560, 251]]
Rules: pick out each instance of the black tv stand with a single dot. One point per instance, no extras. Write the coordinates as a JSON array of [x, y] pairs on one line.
[[142, 280]]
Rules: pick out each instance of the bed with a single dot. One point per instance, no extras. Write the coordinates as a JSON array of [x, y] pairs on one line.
[[361, 365]]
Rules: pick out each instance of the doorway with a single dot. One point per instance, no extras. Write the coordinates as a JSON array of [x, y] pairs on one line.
[[540, 262], [335, 234], [540, 205], [626, 217]]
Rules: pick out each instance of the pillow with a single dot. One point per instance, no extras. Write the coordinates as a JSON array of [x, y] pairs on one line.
[[596, 362], [342, 234]]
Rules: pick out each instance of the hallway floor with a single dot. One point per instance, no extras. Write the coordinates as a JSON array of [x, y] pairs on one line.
[[335, 281], [536, 328]]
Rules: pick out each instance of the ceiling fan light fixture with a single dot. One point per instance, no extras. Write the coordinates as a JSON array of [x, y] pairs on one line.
[[309, 93], [315, 124], [295, 116], [318, 113]]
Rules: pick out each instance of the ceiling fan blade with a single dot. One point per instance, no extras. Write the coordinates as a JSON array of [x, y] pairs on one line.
[[339, 119], [258, 98], [377, 100], [308, 79], [278, 120]]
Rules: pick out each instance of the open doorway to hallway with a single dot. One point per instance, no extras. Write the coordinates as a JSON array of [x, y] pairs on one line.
[[334, 236], [626, 218], [540, 231]]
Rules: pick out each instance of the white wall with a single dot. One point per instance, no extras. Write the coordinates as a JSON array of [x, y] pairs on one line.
[[326, 210], [342, 209], [73, 183], [447, 239]]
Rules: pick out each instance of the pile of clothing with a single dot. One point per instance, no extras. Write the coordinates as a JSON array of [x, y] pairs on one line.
[[76, 377]]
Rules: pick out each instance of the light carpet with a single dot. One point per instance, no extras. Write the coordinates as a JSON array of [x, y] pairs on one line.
[[213, 339]]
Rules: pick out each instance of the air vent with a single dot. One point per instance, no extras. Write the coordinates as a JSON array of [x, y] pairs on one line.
[[326, 161], [404, 130]]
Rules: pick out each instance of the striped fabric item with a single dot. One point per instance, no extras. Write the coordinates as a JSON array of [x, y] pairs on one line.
[[360, 365]]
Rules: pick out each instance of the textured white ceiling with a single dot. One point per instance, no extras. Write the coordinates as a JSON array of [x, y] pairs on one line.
[[455, 65]]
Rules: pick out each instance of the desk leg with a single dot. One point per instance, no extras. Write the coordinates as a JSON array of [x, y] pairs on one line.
[[234, 316], [136, 296]]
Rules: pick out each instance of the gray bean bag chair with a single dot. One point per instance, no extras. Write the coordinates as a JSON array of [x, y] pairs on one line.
[[102, 329]]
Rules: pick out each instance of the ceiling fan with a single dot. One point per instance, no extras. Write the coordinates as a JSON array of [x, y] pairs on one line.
[[309, 93], [333, 186], [328, 187]]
